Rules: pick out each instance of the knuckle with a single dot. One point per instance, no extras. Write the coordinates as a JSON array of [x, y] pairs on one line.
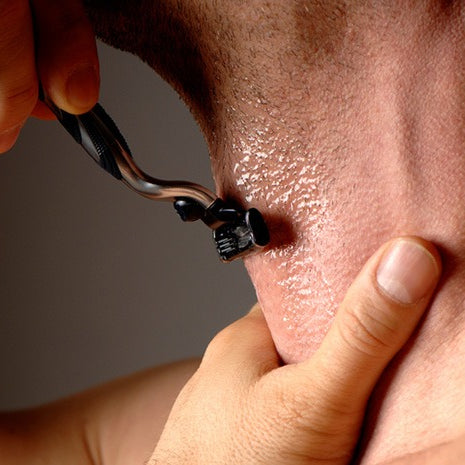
[[296, 415], [233, 334], [283, 404], [300, 420], [17, 103], [294, 410], [367, 327], [220, 343]]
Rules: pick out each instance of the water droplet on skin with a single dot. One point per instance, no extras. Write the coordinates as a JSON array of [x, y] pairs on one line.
[[296, 186]]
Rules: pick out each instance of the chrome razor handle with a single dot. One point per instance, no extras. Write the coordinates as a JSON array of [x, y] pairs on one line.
[[96, 132]]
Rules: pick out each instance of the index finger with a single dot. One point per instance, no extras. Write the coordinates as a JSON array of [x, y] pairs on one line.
[[18, 81]]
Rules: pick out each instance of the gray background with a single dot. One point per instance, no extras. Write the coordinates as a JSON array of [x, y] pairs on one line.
[[95, 281]]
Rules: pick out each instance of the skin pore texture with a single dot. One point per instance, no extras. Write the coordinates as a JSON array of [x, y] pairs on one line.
[[343, 122]]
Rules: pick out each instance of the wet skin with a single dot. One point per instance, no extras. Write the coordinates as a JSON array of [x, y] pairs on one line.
[[343, 123]]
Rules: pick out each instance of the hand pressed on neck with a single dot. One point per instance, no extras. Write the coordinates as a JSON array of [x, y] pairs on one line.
[[243, 407]]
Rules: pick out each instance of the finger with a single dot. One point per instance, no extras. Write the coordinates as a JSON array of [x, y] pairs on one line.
[[376, 318], [18, 82], [243, 350], [66, 54]]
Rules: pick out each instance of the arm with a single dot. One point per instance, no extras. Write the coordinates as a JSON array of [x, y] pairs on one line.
[[117, 423]]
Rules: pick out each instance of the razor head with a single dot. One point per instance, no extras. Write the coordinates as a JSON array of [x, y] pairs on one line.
[[247, 234], [236, 232]]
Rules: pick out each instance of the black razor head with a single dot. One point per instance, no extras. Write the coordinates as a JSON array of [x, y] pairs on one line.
[[236, 232], [246, 235]]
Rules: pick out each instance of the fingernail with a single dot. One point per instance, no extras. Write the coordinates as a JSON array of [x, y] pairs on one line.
[[82, 87], [407, 272]]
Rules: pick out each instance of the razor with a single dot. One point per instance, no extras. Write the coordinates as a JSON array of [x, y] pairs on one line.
[[236, 232]]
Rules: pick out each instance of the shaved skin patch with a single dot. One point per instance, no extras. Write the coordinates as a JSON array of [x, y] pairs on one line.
[[292, 287]]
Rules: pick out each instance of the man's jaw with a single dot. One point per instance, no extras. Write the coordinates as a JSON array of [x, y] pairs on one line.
[[301, 282], [297, 297], [322, 229]]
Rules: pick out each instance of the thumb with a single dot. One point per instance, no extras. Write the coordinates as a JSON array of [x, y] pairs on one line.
[[376, 318]]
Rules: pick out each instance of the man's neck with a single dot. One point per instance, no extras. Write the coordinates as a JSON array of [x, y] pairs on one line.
[[344, 125], [373, 150]]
